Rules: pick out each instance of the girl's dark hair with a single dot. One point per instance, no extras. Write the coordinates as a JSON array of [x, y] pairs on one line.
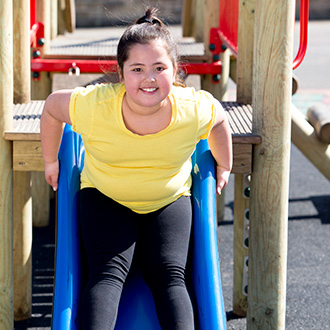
[[147, 28]]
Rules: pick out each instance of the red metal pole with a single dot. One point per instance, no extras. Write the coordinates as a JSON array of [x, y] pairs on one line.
[[33, 14], [304, 13], [96, 66]]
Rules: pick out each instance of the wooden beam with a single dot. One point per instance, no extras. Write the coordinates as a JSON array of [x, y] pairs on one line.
[[245, 36], [27, 156], [13, 136], [272, 87], [210, 20], [21, 46], [22, 200], [6, 175], [43, 16], [54, 19], [241, 230], [306, 140], [198, 21], [186, 18], [242, 159], [243, 75], [70, 15], [319, 117], [40, 90]]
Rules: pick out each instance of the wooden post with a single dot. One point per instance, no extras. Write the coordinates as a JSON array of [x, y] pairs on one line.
[[22, 202], [6, 177], [186, 18], [43, 16], [60, 17], [40, 199], [70, 15], [245, 40], [40, 90], [244, 76], [198, 20], [54, 19], [241, 243], [211, 20], [272, 86], [22, 246]]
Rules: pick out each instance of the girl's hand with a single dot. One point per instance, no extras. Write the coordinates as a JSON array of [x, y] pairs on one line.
[[51, 174], [222, 178]]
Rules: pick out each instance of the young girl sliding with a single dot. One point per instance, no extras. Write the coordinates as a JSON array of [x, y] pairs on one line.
[[139, 136]]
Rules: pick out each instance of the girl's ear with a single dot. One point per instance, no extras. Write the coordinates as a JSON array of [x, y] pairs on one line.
[[120, 74], [175, 70]]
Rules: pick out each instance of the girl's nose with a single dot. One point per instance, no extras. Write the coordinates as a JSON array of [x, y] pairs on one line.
[[151, 76]]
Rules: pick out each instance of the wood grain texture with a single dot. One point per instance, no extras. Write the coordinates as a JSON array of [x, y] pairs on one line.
[[244, 81], [306, 140], [22, 202], [245, 40], [43, 16], [27, 156], [70, 15], [319, 117], [6, 184], [53, 19], [272, 86], [22, 219], [21, 44], [241, 204]]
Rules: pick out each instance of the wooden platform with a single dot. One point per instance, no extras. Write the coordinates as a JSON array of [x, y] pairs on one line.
[[27, 153]]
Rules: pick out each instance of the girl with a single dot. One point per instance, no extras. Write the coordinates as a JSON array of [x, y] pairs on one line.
[[139, 136]]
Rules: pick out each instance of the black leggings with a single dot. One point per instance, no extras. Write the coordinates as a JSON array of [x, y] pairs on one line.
[[159, 241]]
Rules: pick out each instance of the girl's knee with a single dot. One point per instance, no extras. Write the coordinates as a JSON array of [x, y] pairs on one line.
[[164, 276]]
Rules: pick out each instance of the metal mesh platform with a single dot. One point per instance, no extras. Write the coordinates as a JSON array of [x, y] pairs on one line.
[[27, 119], [102, 43]]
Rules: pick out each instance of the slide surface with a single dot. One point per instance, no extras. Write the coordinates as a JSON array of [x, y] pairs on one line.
[[136, 310]]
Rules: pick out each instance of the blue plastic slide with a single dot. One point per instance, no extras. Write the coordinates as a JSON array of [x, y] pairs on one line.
[[136, 310]]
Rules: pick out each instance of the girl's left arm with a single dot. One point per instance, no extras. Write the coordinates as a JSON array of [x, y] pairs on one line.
[[221, 147]]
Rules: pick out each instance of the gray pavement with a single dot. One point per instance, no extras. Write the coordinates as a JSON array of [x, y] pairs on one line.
[[308, 280]]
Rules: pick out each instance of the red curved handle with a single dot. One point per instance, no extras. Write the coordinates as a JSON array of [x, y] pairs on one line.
[[304, 10]]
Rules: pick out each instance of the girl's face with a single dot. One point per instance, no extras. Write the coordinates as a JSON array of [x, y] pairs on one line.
[[148, 75]]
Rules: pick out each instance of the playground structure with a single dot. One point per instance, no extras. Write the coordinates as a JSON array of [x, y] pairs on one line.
[[264, 61]]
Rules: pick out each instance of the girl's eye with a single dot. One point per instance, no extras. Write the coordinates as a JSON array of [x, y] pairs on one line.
[[137, 70], [160, 69]]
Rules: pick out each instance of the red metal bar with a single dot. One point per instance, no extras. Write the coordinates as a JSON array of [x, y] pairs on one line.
[[33, 14], [228, 23], [37, 32], [304, 13], [202, 68], [58, 65], [96, 66]]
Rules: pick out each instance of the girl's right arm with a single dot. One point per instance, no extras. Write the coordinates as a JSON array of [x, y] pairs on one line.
[[54, 115]]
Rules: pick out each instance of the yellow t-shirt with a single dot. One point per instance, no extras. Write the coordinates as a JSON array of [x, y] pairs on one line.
[[147, 172]]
